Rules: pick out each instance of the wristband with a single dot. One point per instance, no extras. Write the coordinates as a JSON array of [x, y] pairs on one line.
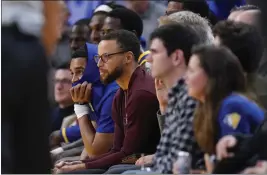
[[81, 110], [57, 151]]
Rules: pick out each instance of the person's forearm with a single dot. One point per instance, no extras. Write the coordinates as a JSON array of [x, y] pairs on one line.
[[106, 161], [75, 144], [51, 28], [88, 134]]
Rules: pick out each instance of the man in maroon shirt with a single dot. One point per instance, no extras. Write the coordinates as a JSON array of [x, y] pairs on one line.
[[134, 107]]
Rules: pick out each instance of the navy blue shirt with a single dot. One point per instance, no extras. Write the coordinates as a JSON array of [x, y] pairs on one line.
[[239, 115]]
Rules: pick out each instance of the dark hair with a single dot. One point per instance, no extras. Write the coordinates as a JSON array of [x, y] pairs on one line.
[[225, 75], [244, 8], [64, 65], [81, 22], [80, 53], [126, 40], [176, 36], [129, 20], [243, 40], [113, 5], [200, 7]]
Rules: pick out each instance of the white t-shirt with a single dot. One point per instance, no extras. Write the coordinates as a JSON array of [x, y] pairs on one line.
[[27, 15]]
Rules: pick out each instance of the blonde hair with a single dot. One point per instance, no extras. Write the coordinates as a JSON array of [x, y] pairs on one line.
[[195, 21]]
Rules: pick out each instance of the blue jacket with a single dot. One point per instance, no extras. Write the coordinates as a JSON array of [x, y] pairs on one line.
[[239, 115], [101, 99]]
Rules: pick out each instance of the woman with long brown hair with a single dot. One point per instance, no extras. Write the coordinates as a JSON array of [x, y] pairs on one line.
[[216, 79]]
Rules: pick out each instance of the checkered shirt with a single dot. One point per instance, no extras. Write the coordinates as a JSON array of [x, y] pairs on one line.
[[178, 132]]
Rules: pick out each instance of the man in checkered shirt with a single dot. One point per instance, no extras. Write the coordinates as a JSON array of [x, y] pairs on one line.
[[169, 63]]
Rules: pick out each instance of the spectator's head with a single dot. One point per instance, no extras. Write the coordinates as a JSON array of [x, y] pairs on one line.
[[195, 21], [243, 40], [171, 49], [236, 11], [118, 51], [122, 18], [200, 7], [78, 64], [139, 6], [80, 34], [251, 17], [214, 73], [97, 22], [62, 86]]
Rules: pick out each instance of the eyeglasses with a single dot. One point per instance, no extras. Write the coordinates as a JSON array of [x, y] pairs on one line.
[[104, 57]]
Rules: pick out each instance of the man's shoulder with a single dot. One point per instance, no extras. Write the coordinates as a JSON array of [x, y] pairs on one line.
[[143, 82]]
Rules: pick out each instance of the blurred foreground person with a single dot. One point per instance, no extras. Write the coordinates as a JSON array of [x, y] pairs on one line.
[[27, 26]]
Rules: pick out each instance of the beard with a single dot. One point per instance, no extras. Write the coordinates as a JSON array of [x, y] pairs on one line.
[[113, 76]]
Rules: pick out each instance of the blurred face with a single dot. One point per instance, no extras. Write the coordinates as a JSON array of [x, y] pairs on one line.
[[78, 37], [110, 24], [77, 67], [161, 63], [196, 79], [233, 15], [111, 60], [62, 86], [247, 17], [95, 26], [217, 41], [174, 7]]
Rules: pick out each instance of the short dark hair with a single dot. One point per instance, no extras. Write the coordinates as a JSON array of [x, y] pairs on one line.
[[113, 5], [81, 22], [130, 20], [177, 36], [126, 40], [80, 53], [64, 65], [244, 8], [243, 40]]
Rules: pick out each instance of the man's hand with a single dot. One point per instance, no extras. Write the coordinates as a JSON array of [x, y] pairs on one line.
[[222, 146], [162, 95], [84, 155], [55, 139], [70, 168], [65, 163], [144, 160], [81, 93], [260, 168]]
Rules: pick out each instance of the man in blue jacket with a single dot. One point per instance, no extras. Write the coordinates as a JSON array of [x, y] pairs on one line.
[[98, 138]]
